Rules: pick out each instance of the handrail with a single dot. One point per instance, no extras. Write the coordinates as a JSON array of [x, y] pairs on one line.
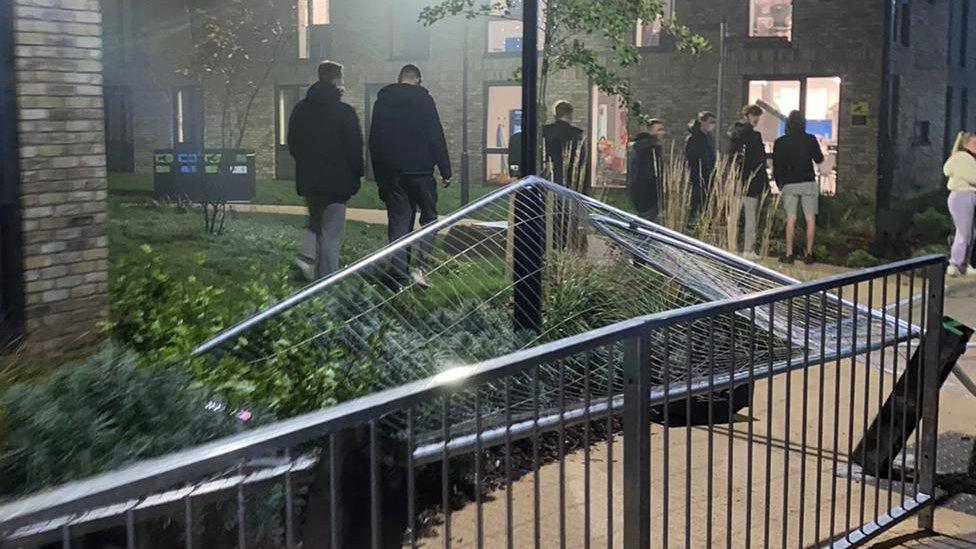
[[162, 473], [316, 288]]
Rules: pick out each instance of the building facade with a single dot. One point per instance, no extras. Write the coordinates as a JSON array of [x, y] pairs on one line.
[[883, 82], [54, 248]]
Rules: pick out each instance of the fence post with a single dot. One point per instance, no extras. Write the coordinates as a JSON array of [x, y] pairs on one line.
[[930, 391], [637, 443]]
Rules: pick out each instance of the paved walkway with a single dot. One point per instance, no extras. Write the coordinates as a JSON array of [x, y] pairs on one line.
[[373, 217]]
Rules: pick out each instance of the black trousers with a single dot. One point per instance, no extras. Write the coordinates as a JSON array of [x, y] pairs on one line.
[[404, 198]]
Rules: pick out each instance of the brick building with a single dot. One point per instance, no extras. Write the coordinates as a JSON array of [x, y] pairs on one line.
[[883, 82], [52, 172]]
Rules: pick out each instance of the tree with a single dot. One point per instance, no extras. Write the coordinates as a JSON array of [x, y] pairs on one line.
[[594, 36], [236, 47]]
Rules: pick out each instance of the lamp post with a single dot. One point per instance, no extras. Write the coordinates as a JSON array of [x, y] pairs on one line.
[[529, 224]]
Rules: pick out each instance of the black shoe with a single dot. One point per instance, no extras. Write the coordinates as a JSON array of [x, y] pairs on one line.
[[787, 259], [809, 259]]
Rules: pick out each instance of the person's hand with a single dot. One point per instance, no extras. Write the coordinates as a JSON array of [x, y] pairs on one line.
[[446, 183]]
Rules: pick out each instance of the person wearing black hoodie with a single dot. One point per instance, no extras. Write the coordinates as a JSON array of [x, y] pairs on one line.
[[700, 155], [794, 155], [406, 142], [750, 151], [645, 169], [326, 141], [565, 150]]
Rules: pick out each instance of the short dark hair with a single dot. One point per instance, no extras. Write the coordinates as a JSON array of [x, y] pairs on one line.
[[564, 108], [409, 71], [752, 110], [796, 123], [706, 115], [330, 71]]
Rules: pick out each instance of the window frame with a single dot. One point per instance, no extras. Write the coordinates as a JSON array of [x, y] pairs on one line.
[[770, 39], [666, 41], [306, 25], [802, 78], [487, 151], [497, 19], [179, 114]]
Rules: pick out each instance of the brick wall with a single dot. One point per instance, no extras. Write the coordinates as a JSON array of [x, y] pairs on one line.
[[62, 166]]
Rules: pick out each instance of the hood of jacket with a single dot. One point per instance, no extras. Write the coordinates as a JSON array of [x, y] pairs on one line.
[[562, 130], [403, 96], [321, 93], [740, 130], [644, 142]]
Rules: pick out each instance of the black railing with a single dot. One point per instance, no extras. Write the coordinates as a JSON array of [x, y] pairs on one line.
[[619, 445]]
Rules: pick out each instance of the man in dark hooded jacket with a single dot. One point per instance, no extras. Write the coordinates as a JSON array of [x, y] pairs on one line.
[[750, 151], [700, 155], [566, 151], [406, 142], [326, 141], [645, 170]]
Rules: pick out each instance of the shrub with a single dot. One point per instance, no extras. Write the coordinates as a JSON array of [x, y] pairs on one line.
[[99, 414], [159, 315], [859, 259], [931, 225]]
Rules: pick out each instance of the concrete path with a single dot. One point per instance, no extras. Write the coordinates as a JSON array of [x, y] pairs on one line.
[[373, 217]]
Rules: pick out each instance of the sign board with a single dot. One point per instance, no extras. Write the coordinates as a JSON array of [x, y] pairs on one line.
[[211, 175]]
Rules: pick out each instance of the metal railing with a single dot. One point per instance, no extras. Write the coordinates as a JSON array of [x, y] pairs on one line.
[[622, 454]]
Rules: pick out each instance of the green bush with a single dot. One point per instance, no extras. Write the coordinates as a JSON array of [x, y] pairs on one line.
[[99, 414], [159, 315], [859, 259], [932, 225]]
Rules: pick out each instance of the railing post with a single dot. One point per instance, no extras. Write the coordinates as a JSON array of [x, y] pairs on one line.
[[637, 443], [930, 391]]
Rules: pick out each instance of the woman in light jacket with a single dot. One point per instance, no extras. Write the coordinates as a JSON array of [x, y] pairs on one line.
[[961, 171]]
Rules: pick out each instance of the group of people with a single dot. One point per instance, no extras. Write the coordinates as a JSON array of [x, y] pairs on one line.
[[795, 155], [406, 144]]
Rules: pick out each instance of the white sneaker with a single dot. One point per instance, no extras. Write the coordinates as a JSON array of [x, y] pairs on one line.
[[419, 279], [971, 272], [953, 272], [306, 268]]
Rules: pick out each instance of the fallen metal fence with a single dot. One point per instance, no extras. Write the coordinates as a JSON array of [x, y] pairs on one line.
[[616, 450]]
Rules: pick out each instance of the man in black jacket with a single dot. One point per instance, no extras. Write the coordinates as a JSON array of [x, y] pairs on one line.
[[645, 170], [794, 155], [406, 141], [566, 151], [700, 155], [750, 151], [326, 141]]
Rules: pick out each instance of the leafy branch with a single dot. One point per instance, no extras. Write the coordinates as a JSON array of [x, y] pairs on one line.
[[595, 37]]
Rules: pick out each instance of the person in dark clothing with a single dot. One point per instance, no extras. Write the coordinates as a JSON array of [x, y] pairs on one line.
[[406, 142], [794, 155], [326, 141], [515, 155], [700, 155], [566, 150], [645, 170], [750, 151]]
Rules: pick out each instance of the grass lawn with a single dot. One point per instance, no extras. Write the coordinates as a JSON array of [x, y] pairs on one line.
[[139, 187], [264, 241]]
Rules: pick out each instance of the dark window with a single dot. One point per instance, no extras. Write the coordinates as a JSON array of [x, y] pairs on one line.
[[921, 136], [964, 110], [411, 39], [964, 33], [188, 117], [894, 106], [947, 137], [895, 20], [906, 24]]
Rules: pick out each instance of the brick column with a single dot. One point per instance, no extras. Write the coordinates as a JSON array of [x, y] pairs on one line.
[[63, 189]]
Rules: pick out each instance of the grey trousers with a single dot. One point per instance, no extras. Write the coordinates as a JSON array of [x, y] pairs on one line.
[[751, 208], [323, 239]]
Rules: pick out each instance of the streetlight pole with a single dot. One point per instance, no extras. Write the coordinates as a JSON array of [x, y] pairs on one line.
[[465, 158], [529, 223]]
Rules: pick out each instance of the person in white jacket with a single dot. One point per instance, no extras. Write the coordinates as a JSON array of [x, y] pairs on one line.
[[961, 171]]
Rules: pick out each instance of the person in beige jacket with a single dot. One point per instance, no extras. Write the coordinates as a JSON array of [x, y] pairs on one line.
[[961, 171]]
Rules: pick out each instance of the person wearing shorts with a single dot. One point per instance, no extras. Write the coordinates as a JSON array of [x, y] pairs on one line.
[[794, 156]]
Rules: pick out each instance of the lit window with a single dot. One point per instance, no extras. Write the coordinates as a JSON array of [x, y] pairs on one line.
[[188, 116], [504, 115], [649, 35], [311, 13], [505, 35], [771, 18], [608, 127]]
